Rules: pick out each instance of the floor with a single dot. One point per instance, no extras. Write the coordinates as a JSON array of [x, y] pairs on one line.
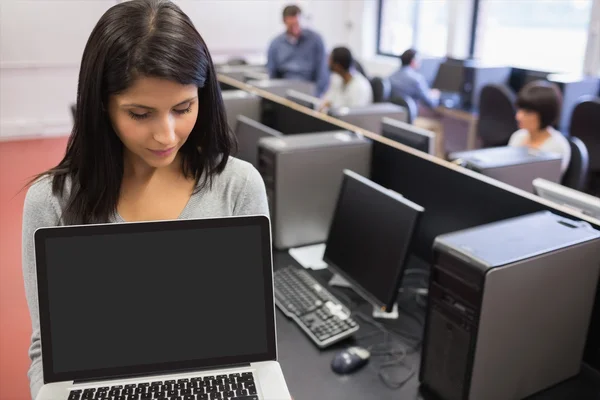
[[19, 161]]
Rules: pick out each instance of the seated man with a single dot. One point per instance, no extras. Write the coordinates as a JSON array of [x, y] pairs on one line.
[[407, 82], [348, 87], [298, 53]]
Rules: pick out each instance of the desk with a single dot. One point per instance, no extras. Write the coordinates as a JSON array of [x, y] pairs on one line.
[[309, 376]]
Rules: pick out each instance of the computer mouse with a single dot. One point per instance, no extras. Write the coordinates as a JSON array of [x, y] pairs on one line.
[[350, 360]]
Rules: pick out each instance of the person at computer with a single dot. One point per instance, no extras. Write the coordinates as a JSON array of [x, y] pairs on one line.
[[298, 53], [538, 107], [408, 82], [150, 139], [347, 86]]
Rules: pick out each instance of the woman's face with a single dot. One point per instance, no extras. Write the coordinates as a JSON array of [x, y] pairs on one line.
[[528, 120], [153, 118]]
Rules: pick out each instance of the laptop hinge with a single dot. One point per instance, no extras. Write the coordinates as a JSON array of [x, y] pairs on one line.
[[155, 374]]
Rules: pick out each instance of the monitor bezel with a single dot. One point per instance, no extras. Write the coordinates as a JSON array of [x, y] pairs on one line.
[[42, 234]]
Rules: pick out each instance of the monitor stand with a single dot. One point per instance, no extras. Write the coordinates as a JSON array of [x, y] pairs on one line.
[[339, 281]]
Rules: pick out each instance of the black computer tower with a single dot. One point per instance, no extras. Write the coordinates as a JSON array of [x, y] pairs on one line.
[[509, 307]]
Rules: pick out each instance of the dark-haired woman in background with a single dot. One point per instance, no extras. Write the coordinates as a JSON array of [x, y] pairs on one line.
[[150, 140], [538, 107]]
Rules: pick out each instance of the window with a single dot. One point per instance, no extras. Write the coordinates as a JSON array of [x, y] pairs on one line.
[[547, 35], [422, 24]]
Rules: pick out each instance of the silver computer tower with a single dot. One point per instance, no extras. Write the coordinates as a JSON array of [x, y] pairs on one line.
[[517, 166], [369, 117], [239, 102], [303, 174], [509, 307]]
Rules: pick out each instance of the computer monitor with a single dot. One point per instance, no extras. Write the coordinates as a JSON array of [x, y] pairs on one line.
[[303, 99], [409, 135], [559, 194], [370, 238], [450, 77], [248, 133], [290, 122]]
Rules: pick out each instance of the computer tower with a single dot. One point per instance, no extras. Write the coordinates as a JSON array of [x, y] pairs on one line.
[[478, 76], [509, 307], [517, 166], [240, 102], [303, 174], [369, 117]]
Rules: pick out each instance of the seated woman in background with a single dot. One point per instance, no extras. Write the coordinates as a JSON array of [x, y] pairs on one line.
[[538, 106], [347, 86]]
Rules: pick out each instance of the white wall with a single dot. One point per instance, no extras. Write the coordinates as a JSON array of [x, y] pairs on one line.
[[41, 43]]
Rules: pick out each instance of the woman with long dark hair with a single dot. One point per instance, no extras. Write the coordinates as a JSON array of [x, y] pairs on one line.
[[150, 140]]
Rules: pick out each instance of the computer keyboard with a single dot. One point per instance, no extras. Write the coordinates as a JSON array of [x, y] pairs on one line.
[[220, 387], [320, 315]]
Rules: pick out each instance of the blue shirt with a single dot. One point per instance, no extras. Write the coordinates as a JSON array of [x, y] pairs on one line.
[[304, 60], [406, 82]]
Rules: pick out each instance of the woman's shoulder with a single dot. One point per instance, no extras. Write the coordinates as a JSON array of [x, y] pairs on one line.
[[239, 174], [560, 140], [518, 137], [40, 197]]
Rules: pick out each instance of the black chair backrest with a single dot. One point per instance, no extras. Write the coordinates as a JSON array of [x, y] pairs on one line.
[[358, 66], [381, 89], [576, 176], [585, 124], [497, 111], [409, 104]]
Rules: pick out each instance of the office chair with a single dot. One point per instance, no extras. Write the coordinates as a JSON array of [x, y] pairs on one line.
[[585, 124], [577, 174], [381, 89], [409, 104], [358, 66], [73, 110], [496, 122]]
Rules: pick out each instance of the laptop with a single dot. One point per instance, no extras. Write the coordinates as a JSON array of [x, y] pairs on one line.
[[158, 310]]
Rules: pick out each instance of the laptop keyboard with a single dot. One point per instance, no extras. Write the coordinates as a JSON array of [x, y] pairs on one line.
[[219, 387]]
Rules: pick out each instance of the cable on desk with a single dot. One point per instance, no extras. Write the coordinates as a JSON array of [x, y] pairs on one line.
[[394, 353], [395, 356]]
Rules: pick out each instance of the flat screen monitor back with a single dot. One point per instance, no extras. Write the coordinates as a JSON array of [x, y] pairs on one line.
[[289, 121], [409, 135], [450, 77], [370, 237]]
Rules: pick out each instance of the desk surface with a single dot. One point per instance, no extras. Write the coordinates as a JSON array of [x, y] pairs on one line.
[[309, 376]]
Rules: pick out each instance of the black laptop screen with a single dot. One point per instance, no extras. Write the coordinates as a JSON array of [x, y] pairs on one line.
[[170, 296]]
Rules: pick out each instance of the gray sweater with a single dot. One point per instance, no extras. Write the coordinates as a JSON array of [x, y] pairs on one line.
[[238, 190]]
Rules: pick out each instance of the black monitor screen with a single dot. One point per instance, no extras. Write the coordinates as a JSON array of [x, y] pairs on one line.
[[121, 299], [450, 77], [408, 135], [370, 238]]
